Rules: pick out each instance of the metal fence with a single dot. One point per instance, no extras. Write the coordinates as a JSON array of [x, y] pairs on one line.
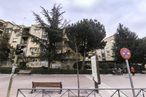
[[101, 92]]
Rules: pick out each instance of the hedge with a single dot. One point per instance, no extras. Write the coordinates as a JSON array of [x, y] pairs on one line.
[[44, 70], [58, 71], [7, 70]]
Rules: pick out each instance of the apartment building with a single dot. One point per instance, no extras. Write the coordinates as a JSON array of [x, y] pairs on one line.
[[14, 33], [19, 34], [32, 51], [2, 25], [13, 30], [107, 54]]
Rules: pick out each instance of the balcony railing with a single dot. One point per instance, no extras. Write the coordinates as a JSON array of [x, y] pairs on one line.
[[102, 92]]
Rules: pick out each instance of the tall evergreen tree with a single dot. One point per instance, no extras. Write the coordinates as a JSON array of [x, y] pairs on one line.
[[125, 38], [85, 36], [51, 30], [4, 47], [141, 50]]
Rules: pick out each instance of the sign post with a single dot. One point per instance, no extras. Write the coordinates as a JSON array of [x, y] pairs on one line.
[[95, 72], [126, 54], [11, 77]]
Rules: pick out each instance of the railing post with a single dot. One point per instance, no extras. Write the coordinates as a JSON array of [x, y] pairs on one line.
[[96, 86], [68, 92], [43, 91], [118, 92], [17, 93], [142, 92]]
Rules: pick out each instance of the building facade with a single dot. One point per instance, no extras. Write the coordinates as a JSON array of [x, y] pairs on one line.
[[107, 54], [13, 30], [19, 35]]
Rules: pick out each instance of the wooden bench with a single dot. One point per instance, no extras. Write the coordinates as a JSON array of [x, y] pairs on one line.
[[47, 84]]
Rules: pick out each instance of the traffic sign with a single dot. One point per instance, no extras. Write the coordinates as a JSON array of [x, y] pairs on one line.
[[125, 53]]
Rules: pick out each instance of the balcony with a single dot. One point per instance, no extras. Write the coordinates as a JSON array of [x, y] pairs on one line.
[[24, 42], [1, 28], [25, 33]]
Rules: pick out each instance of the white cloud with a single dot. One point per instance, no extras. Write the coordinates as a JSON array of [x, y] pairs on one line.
[[84, 3], [1, 12], [142, 6], [110, 13]]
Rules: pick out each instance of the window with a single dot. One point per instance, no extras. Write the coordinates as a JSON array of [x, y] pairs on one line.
[[37, 30], [8, 30], [1, 24], [33, 50], [107, 51], [44, 35], [1, 32], [14, 40]]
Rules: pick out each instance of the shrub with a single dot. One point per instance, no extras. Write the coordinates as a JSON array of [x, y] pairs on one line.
[[7, 70], [22, 65], [44, 70]]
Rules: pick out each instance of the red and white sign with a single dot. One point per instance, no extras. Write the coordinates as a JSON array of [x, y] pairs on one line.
[[125, 53]]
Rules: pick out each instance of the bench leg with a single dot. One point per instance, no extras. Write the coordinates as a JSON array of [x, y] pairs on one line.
[[33, 90], [60, 91]]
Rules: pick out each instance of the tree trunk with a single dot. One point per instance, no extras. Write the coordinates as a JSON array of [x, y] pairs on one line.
[[83, 62], [49, 63]]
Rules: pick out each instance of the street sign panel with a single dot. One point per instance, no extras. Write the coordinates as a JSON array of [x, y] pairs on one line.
[[125, 53], [94, 68]]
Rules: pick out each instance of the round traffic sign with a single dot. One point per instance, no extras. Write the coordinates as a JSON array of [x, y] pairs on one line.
[[125, 53]]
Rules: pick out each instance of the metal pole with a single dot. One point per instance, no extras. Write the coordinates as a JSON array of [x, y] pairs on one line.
[[98, 76], [130, 78], [78, 80], [11, 77], [96, 86]]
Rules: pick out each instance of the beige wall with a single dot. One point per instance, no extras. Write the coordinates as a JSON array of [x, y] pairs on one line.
[[107, 53], [15, 37], [14, 32], [32, 47]]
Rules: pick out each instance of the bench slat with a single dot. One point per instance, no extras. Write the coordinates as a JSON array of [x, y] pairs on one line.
[[47, 84]]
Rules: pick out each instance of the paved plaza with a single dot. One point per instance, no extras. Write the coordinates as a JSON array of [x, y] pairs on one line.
[[70, 81]]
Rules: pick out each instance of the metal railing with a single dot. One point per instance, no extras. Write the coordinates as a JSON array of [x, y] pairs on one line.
[[101, 92]]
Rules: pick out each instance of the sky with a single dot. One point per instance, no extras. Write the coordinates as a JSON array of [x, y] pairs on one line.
[[130, 13]]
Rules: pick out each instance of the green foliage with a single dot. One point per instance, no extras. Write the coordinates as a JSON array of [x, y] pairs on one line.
[[7, 70], [44, 70], [51, 31], [140, 51], [87, 35], [125, 38], [87, 65], [4, 47], [11, 55], [22, 65]]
